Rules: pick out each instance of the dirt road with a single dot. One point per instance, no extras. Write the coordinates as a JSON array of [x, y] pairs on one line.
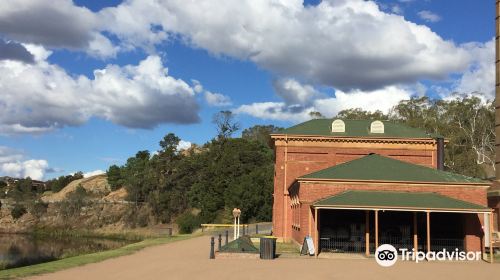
[[189, 260]]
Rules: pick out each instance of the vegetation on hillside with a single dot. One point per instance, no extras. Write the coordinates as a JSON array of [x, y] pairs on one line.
[[222, 174], [59, 183]]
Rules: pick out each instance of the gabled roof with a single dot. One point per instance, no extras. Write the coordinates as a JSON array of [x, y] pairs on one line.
[[357, 128], [398, 200], [379, 168]]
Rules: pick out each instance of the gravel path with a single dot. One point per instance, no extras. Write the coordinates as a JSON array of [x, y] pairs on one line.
[[189, 260]]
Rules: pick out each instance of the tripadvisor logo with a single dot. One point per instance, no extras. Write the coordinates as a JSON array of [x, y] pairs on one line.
[[386, 255]]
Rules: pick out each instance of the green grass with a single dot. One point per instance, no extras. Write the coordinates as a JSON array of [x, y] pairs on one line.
[[86, 259], [287, 247]]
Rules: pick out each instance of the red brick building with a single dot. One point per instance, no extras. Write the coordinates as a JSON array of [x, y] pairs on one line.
[[354, 184]]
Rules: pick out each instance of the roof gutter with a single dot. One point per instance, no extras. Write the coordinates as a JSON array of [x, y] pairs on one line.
[[314, 180], [404, 209]]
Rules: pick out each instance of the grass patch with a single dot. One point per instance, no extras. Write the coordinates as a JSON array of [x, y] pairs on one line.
[[86, 259], [286, 247]]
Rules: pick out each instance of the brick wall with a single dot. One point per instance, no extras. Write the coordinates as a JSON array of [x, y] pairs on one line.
[[296, 158]]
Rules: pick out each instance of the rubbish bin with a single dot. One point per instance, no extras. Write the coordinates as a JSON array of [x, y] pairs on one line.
[[267, 248]]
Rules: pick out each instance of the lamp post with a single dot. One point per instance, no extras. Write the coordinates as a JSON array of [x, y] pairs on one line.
[[236, 215]]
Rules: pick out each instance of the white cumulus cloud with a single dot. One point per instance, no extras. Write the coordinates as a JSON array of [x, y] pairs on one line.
[[429, 16], [217, 99], [14, 164], [344, 44], [41, 96], [383, 100], [93, 173]]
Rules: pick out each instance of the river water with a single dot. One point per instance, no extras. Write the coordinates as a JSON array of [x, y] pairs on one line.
[[22, 249]]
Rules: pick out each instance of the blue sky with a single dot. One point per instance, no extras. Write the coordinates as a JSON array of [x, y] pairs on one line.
[[270, 62]]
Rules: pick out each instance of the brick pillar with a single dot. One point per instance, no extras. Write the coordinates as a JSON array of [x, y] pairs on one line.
[[473, 232]]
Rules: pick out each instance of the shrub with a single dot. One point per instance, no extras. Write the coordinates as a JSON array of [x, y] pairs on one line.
[[18, 211], [38, 208], [188, 222]]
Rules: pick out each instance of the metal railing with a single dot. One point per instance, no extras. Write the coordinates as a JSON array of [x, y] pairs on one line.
[[450, 244], [342, 244], [357, 243]]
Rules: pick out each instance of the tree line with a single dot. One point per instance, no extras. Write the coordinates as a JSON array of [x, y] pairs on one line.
[[203, 183]]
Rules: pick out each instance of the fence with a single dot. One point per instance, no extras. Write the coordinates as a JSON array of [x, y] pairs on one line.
[[245, 229], [357, 244]]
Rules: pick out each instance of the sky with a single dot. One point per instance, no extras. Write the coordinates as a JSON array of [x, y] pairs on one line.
[[86, 84]]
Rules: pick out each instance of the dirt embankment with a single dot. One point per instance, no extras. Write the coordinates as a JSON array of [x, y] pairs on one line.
[[101, 210], [96, 186]]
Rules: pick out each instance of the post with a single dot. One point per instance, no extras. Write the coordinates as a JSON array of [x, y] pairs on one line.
[[212, 245], [256, 228], [238, 227], [227, 236], [367, 233], [220, 241], [415, 232], [316, 239], [376, 229], [234, 233], [428, 231], [491, 237]]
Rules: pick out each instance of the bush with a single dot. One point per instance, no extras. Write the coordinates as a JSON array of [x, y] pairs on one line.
[[188, 222], [38, 208], [18, 211], [74, 202]]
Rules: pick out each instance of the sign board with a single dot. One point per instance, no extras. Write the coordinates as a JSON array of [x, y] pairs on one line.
[[307, 246]]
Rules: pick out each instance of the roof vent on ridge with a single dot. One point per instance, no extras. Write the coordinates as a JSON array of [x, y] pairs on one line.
[[338, 126], [377, 127]]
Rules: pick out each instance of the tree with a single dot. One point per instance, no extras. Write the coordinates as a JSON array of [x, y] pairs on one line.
[[316, 115], [232, 179], [260, 133], [360, 114], [115, 178], [225, 124], [468, 124], [59, 183]]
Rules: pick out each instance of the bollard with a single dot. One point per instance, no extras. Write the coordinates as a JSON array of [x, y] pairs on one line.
[[169, 232], [256, 228], [212, 252], [227, 236], [220, 241]]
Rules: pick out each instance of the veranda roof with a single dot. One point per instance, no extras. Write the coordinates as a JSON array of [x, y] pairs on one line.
[[379, 168], [402, 201]]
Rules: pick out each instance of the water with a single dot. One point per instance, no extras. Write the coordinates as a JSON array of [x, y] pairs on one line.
[[18, 250]]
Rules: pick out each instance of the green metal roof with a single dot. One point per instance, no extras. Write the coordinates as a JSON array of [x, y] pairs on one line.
[[386, 200], [240, 245], [378, 168], [357, 128]]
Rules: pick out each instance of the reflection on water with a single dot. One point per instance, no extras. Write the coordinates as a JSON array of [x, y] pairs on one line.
[[21, 249]]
